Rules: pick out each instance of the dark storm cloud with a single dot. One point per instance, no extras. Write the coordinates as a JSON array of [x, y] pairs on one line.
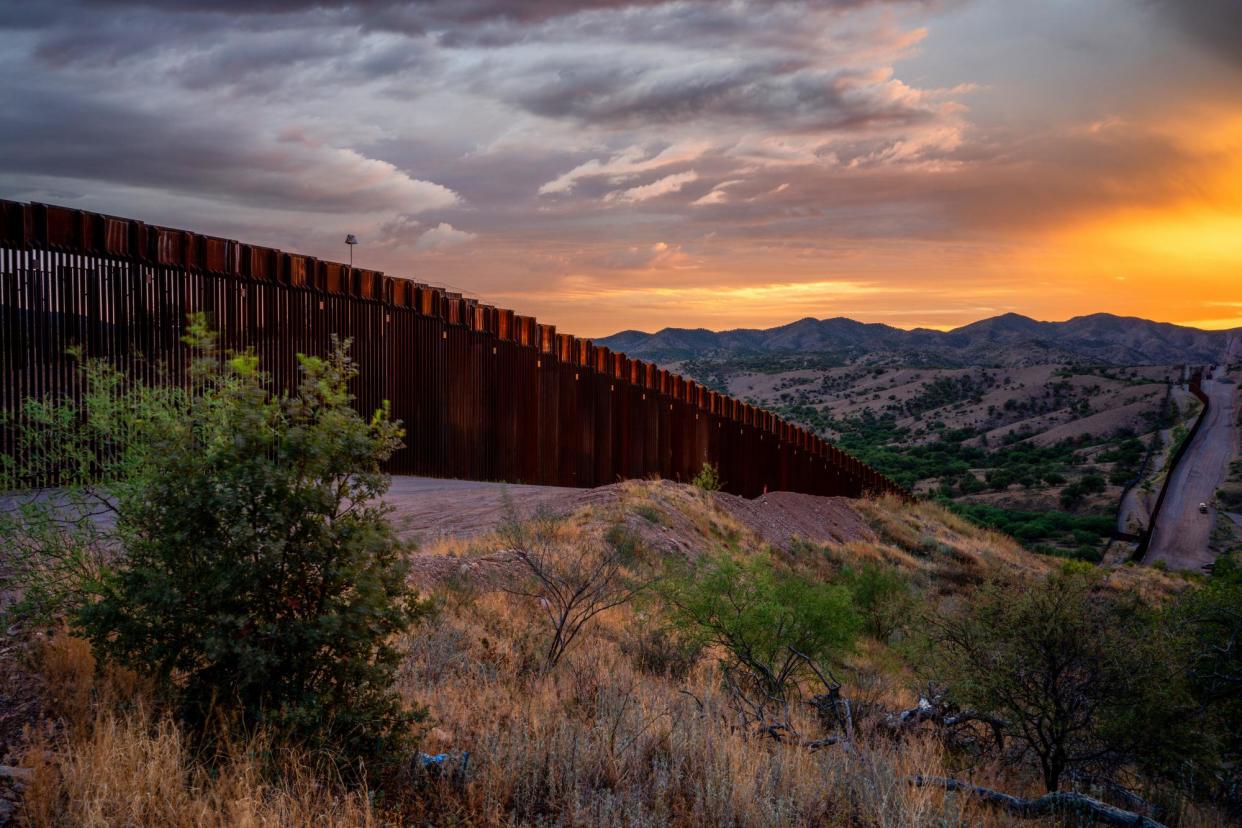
[[789, 93], [1215, 23], [459, 11], [331, 105], [66, 135], [456, 23]]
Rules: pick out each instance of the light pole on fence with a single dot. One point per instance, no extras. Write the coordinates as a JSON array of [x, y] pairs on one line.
[[351, 240]]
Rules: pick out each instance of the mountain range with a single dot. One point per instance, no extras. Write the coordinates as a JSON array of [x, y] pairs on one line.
[[1009, 339]]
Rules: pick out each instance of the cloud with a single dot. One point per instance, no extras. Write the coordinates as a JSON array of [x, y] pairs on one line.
[[1215, 23], [770, 91], [718, 194], [186, 149], [442, 236], [401, 231], [660, 254], [688, 143], [629, 162], [660, 187]]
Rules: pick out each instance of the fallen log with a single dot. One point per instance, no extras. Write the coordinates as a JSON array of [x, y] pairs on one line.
[[1057, 802], [933, 708]]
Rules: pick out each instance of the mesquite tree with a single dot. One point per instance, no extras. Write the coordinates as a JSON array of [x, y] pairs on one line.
[[571, 580], [248, 564], [1083, 679]]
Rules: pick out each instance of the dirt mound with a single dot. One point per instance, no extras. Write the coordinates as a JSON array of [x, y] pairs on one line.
[[429, 510], [779, 517], [453, 519]]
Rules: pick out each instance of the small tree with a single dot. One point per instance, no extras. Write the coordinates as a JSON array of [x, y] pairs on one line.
[[1081, 680], [253, 570], [882, 597], [1210, 623], [708, 478], [769, 622], [572, 581]]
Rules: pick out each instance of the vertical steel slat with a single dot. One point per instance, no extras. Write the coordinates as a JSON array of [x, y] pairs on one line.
[[485, 395]]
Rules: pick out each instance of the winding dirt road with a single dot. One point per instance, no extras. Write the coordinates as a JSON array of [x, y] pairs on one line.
[[1182, 532]]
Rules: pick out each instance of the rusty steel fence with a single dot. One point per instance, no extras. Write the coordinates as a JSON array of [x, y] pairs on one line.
[[484, 393]]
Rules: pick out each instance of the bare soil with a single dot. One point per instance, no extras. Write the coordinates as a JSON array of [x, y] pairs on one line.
[[453, 521], [780, 517], [1181, 539]]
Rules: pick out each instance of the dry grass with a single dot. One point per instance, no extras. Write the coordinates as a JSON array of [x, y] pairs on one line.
[[599, 742], [118, 763], [607, 738], [943, 552]]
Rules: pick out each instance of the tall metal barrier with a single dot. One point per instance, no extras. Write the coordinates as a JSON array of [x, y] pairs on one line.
[[484, 393]]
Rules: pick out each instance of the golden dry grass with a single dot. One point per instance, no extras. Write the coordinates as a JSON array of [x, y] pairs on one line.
[[604, 739], [599, 742], [120, 764]]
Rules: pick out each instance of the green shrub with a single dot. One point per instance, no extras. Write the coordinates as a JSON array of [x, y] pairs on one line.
[[708, 478], [766, 620], [1073, 495], [882, 597], [649, 512], [1210, 622], [257, 576], [1076, 678]]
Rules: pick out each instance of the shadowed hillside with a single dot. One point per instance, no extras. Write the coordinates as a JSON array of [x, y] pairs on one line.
[[1011, 339]]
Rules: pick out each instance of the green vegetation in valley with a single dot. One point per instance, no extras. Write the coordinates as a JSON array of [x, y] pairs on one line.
[[1055, 533]]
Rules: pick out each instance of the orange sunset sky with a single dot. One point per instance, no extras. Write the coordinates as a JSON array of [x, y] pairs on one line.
[[607, 164]]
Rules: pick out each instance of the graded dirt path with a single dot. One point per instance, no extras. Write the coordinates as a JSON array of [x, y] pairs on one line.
[[429, 509], [1182, 532]]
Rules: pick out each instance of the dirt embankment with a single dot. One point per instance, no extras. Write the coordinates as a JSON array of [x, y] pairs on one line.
[[447, 517]]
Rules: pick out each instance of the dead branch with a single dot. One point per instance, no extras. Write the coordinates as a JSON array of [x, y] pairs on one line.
[[571, 583], [1057, 802], [1113, 790], [933, 707]]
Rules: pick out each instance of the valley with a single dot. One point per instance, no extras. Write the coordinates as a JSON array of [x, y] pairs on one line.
[[1058, 433]]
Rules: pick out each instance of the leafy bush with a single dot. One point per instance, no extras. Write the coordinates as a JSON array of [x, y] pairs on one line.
[[1210, 621], [882, 597], [1036, 529], [1073, 494], [768, 621], [1080, 680], [256, 572], [708, 478]]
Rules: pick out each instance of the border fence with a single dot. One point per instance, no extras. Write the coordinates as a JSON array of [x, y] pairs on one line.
[[484, 393], [1195, 386]]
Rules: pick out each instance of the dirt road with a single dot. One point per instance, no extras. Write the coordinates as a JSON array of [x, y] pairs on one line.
[[1182, 532]]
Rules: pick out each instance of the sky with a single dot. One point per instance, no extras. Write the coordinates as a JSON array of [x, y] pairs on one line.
[[614, 164]]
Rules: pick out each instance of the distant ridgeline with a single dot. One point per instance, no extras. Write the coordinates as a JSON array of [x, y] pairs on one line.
[[484, 393]]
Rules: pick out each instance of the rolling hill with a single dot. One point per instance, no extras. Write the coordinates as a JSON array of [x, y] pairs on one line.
[[1007, 340]]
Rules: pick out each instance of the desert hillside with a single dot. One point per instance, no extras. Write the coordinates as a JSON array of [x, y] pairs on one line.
[[632, 726], [233, 615], [1056, 432], [1007, 340]]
